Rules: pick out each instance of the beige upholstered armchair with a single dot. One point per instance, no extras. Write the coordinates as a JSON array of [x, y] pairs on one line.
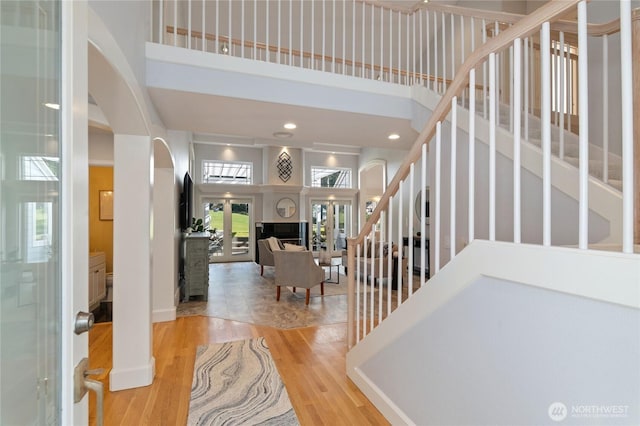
[[297, 269], [265, 253]]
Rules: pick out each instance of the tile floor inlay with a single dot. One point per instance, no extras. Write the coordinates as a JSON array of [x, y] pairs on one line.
[[237, 292]]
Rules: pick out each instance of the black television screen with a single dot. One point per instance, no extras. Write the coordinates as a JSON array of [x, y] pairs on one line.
[[186, 202]]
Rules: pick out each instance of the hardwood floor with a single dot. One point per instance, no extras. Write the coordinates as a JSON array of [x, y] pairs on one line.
[[311, 362]]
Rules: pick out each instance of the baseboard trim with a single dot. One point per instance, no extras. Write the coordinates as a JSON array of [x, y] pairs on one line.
[[163, 315], [378, 398], [129, 378]]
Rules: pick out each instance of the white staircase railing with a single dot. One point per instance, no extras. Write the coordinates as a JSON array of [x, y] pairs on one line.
[[369, 305]]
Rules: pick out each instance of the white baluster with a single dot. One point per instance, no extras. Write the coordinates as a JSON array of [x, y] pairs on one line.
[[175, 22], [256, 54], [583, 96], [454, 157], [410, 232], [291, 32], [391, 47], [399, 48], [453, 45], [381, 44], [407, 82], [363, 60], [204, 38], [436, 201], [423, 214], [484, 73], [302, 34], [627, 126], [563, 98], [444, 56], [380, 265], [472, 152], [462, 49], [605, 108], [365, 288], [526, 88], [400, 233], [436, 84], [420, 46], [266, 32], [511, 108], [278, 51], [372, 61], [390, 256], [493, 93], [242, 19], [161, 26], [344, 37], [357, 279], [516, 59], [545, 88], [230, 36], [324, 20], [429, 80], [373, 276]]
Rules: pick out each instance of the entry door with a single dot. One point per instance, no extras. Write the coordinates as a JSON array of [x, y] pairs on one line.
[[330, 225], [229, 223], [37, 290]]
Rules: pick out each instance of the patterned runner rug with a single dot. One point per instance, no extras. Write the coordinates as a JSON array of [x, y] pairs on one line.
[[237, 383]]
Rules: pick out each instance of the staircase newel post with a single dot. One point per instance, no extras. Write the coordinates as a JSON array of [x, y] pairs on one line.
[[635, 28]]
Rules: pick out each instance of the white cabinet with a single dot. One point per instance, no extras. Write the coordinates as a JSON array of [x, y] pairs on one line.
[[97, 277]]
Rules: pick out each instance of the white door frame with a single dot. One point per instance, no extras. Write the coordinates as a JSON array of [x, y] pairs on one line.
[[227, 237], [74, 202]]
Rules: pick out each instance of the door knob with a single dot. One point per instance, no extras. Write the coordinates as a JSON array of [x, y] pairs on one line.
[[84, 322]]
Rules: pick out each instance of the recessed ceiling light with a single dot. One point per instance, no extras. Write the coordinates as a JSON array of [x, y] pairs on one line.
[[290, 126], [52, 105], [394, 136], [283, 135]]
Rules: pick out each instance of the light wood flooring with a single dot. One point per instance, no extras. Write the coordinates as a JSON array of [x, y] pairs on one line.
[[311, 362]]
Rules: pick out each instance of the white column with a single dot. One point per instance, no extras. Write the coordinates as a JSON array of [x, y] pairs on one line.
[[133, 362]]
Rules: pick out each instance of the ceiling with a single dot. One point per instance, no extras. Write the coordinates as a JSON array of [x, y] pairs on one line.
[[226, 120]]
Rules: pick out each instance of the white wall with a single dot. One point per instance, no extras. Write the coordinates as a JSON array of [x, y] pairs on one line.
[[164, 277], [129, 23], [100, 147], [505, 331], [508, 352], [564, 222]]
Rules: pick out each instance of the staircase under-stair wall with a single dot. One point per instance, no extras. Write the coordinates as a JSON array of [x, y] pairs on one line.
[[502, 332]]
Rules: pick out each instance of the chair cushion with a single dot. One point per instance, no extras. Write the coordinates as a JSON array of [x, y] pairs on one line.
[[293, 247], [274, 244]]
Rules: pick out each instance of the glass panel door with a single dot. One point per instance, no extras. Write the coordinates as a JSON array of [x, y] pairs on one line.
[[30, 283], [229, 223]]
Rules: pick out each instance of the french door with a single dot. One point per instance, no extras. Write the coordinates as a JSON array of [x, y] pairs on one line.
[[331, 224], [229, 223], [42, 280]]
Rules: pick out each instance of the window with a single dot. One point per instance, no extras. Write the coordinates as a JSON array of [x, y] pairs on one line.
[[325, 177], [39, 168], [233, 172]]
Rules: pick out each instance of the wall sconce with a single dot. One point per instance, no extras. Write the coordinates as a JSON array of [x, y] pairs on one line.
[[224, 48]]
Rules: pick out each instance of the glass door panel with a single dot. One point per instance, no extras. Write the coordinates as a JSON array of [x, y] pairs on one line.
[[229, 223], [214, 222], [30, 283], [240, 225]]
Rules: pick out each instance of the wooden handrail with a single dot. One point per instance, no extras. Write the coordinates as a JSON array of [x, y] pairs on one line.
[[568, 26], [526, 26], [307, 55]]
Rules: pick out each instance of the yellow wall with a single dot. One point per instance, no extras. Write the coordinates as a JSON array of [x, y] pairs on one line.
[[100, 231]]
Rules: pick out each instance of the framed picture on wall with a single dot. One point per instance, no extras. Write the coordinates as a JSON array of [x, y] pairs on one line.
[[106, 205]]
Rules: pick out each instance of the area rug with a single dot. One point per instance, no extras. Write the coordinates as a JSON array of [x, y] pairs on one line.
[[237, 383], [330, 289]]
